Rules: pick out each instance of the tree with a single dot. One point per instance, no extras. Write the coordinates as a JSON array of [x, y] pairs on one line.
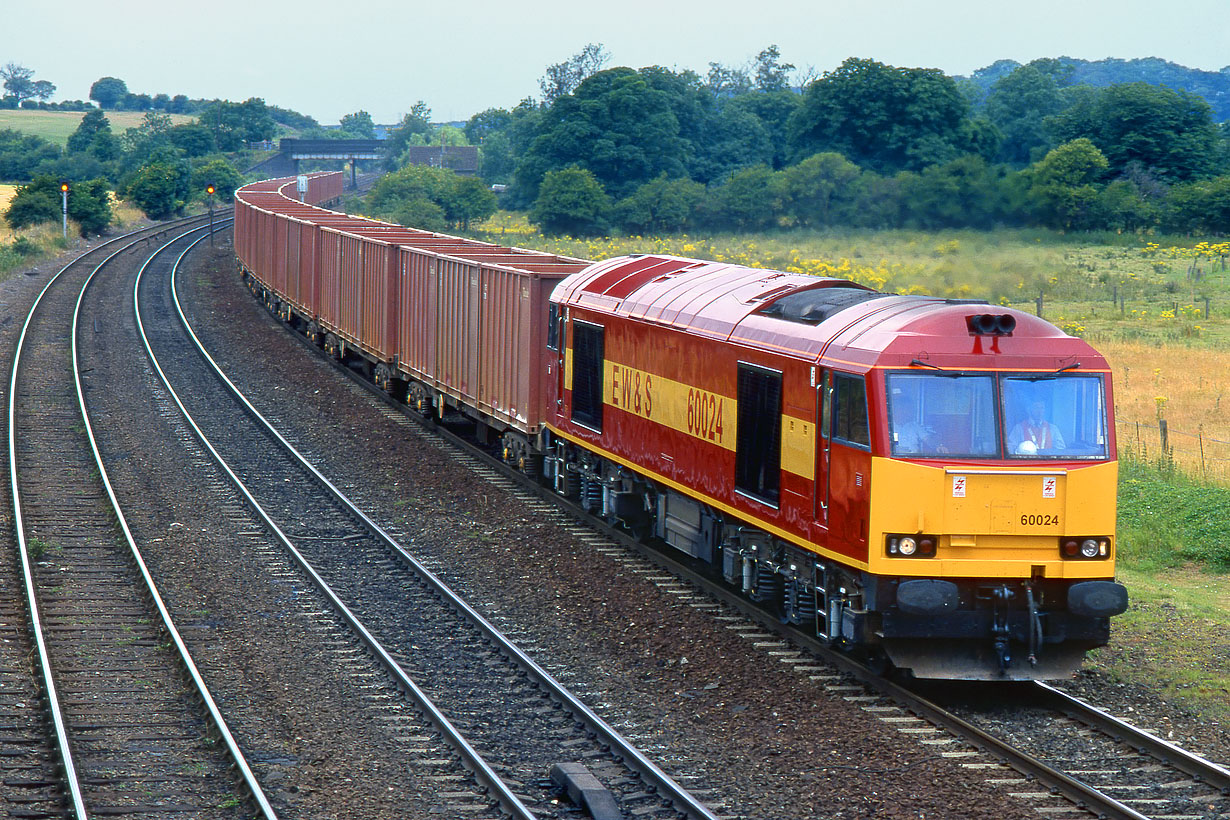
[[660, 206], [459, 200], [89, 205], [773, 109], [145, 140], [19, 81], [233, 124], [485, 123], [422, 214], [34, 203], [962, 193], [882, 117], [160, 188], [733, 138], [108, 91], [194, 139], [42, 90], [91, 125], [563, 78], [416, 122], [1170, 131], [21, 155], [571, 201], [1017, 105], [472, 201], [1200, 207], [770, 72], [617, 125], [1063, 187], [727, 82], [359, 125], [219, 173], [811, 187], [750, 200]]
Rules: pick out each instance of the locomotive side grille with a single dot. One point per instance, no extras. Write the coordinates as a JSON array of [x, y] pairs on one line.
[[587, 353], [758, 445]]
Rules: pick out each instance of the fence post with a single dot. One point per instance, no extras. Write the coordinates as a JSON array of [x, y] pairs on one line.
[[1039, 304], [1200, 438], [1165, 436]]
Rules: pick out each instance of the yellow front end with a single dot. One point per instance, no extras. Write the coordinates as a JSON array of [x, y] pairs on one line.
[[993, 522]]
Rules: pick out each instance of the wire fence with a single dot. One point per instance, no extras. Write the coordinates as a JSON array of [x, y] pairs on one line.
[[1193, 453]]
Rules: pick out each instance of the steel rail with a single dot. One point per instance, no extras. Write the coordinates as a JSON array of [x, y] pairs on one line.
[[1199, 768], [1079, 793], [76, 798], [498, 789], [198, 681], [665, 785]]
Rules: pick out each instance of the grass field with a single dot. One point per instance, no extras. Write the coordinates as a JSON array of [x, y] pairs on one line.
[[57, 126]]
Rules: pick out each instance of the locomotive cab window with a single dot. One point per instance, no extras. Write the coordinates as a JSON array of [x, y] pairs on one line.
[[758, 446], [1054, 416], [942, 416], [850, 410], [587, 368]]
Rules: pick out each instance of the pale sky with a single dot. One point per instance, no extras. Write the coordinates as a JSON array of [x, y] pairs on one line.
[[327, 59]]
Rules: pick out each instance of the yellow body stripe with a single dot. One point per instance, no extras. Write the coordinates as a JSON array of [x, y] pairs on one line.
[[691, 492]]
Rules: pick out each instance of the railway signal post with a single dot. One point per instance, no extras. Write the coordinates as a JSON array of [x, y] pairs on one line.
[[64, 206], [209, 190]]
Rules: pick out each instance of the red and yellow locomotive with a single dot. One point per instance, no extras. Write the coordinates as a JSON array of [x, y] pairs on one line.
[[928, 478], [932, 480]]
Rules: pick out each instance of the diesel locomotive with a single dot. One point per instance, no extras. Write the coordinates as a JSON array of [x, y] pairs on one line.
[[929, 480]]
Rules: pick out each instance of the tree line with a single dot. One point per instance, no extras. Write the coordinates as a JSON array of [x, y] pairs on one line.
[[865, 145], [158, 166]]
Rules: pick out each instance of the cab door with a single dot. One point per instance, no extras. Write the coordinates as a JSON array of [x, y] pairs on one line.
[[823, 382]]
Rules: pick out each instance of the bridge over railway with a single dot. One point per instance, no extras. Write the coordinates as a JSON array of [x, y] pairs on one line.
[[461, 158]]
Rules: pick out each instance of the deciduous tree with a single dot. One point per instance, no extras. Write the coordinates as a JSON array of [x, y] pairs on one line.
[[19, 82], [571, 201], [882, 117], [108, 91], [1169, 131]]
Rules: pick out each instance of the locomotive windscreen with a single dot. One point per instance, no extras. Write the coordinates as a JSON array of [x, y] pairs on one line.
[[816, 305]]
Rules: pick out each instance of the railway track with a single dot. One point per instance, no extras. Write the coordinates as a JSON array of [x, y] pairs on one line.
[[130, 727], [1057, 756], [506, 719]]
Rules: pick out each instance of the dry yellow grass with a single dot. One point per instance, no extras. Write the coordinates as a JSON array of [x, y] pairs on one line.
[[1189, 388], [6, 194]]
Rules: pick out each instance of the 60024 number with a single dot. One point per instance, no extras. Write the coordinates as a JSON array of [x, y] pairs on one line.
[[705, 415], [1039, 520]]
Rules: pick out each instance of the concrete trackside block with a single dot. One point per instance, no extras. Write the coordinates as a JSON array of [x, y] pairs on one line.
[[585, 790]]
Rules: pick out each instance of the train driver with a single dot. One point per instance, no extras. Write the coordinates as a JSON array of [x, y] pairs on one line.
[[1034, 434]]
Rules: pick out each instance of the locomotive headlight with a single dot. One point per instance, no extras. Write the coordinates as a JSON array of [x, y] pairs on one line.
[[1096, 548], [907, 546]]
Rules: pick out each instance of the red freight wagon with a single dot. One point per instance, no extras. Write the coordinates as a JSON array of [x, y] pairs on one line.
[[460, 324], [471, 336]]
